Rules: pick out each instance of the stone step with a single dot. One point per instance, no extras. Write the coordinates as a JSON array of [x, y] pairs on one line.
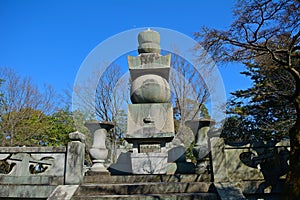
[[143, 188], [174, 196], [147, 178]]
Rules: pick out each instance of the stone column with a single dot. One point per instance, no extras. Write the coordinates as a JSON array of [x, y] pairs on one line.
[[201, 149], [98, 152]]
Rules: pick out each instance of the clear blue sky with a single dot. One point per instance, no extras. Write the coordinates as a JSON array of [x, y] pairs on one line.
[[49, 39]]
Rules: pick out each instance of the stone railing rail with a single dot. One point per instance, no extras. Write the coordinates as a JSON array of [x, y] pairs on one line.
[[248, 162]]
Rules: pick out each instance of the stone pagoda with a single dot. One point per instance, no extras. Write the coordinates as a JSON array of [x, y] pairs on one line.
[[150, 116]]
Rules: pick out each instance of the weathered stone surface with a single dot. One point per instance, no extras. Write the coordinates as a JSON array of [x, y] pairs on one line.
[[177, 154], [150, 121], [26, 191], [74, 166], [98, 151], [150, 89], [77, 136], [236, 170], [143, 188], [25, 164], [149, 64], [57, 166], [219, 160], [123, 164], [147, 178], [229, 191], [31, 180], [149, 42], [172, 196], [63, 192], [228, 166], [149, 163], [33, 149]]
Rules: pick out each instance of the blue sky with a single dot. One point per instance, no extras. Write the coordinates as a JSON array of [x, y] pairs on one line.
[[49, 39]]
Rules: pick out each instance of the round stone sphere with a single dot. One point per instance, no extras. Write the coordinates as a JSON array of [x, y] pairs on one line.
[[149, 42], [150, 88]]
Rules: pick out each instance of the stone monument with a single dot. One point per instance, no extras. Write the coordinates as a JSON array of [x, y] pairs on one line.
[[150, 116]]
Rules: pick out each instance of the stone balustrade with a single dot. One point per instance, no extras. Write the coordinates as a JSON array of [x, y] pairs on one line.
[[36, 171]]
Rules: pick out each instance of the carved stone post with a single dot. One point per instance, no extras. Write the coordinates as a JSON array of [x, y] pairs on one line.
[[75, 158], [98, 152], [201, 150]]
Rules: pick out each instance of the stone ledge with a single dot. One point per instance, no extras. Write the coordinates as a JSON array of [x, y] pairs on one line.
[[30, 180], [143, 188], [147, 178], [177, 196], [33, 150], [25, 191]]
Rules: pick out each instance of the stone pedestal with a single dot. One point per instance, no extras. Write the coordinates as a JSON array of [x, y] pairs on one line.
[[98, 152]]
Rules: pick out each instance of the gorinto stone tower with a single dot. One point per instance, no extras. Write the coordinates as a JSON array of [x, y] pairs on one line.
[[150, 116]]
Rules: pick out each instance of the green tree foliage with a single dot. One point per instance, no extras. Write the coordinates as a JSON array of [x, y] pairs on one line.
[[262, 109], [37, 129], [60, 125], [266, 36], [30, 116], [23, 107], [30, 123]]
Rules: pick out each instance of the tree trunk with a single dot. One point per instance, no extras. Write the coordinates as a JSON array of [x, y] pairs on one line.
[[292, 185]]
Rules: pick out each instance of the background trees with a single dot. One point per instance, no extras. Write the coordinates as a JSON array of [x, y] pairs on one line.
[[23, 107], [30, 116], [189, 96], [265, 35]]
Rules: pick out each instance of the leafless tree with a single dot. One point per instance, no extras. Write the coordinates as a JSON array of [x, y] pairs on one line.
[[111, 98], [189, 95], [22, 100]]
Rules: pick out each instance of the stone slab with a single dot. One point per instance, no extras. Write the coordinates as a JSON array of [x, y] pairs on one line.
[[229, 191], [149, 163], [63, 192]]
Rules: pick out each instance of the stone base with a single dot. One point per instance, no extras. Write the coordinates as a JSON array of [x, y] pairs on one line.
[[149, 163], [94, 173]]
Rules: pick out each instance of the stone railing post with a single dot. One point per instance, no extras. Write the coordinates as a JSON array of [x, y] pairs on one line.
[[75, 159]]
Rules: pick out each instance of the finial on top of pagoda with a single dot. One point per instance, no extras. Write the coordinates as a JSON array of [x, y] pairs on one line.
[[149, 42]]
